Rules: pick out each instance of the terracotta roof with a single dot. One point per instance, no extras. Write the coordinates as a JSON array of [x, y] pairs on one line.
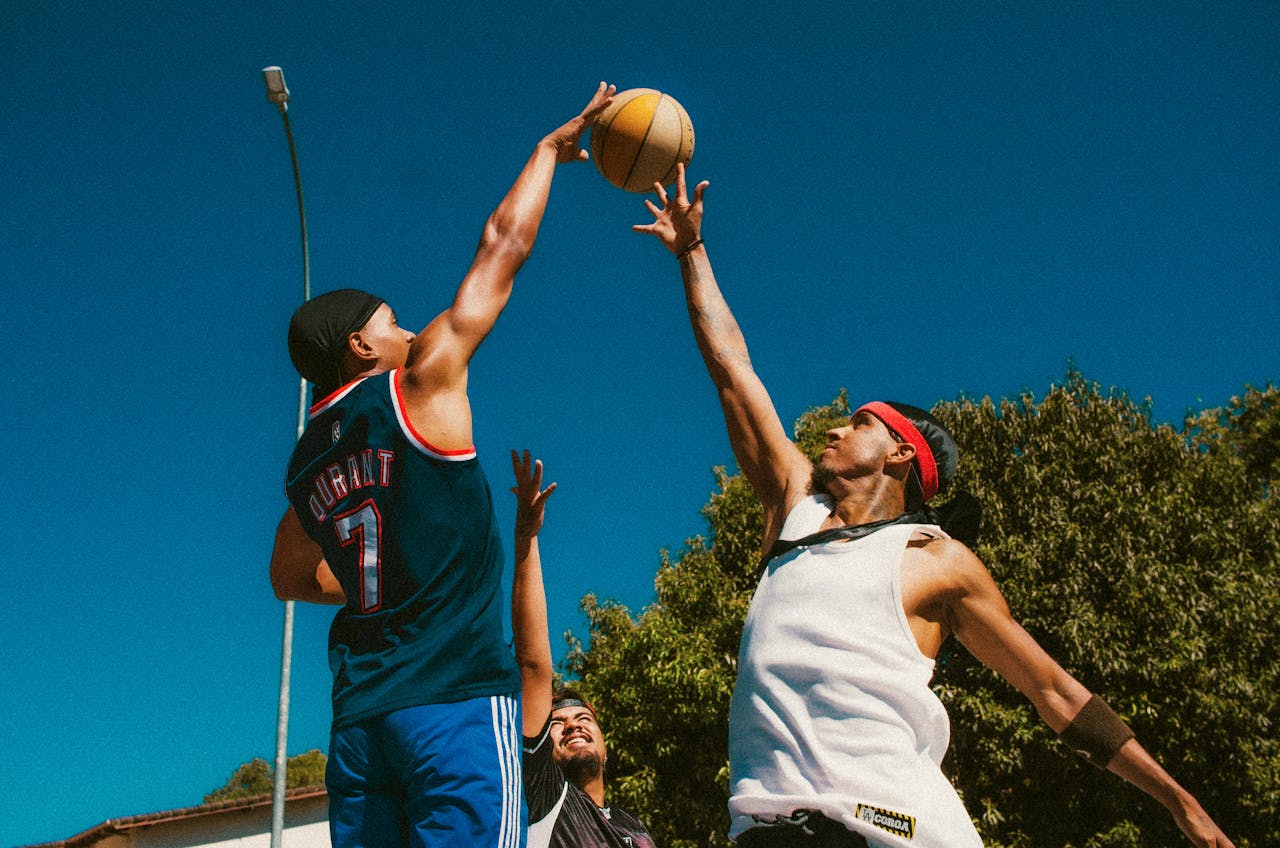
[[111, 826]]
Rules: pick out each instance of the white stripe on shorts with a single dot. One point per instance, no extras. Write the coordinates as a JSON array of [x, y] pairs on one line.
[[506, 731]]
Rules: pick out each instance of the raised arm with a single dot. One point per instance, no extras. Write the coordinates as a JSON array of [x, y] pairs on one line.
[[298, 568], [775, 467], [435, 373], [528, 597], [979, 616]]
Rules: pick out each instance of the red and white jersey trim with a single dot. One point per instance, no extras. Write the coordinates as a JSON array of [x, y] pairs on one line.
[[321, 405], [414, 437]]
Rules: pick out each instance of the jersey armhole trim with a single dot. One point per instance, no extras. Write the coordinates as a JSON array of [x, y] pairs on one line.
[[414, 437], [532, 743], [918, 531]]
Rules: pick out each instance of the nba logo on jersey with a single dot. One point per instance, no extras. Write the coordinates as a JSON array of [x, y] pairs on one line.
[[336, 431]]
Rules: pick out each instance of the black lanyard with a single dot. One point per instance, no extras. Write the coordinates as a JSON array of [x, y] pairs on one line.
[[849, 532]]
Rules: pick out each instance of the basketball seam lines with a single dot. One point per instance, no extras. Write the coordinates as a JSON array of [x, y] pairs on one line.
[[670, 172], [604, 137], [640, 149]]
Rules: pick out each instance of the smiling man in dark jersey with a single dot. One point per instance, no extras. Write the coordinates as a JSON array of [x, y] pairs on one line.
[[564, 750]]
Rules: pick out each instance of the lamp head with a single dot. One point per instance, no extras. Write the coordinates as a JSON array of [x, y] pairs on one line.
[[277, 91]]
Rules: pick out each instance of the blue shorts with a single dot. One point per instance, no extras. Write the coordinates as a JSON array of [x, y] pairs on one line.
[[435, 775]]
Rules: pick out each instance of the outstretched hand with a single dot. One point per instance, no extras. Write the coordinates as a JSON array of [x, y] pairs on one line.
[[1199, 828], [566, 138], [531, 498], [678, 223]]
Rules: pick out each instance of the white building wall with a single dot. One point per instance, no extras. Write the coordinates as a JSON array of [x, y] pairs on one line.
[[306, 826]]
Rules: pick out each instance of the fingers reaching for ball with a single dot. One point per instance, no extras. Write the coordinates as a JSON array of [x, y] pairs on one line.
[[682, 192], [566, 139], [600, 101], [678, 222]]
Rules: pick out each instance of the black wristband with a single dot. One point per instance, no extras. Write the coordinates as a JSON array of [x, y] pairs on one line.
[[1096, 733], [682, 254]]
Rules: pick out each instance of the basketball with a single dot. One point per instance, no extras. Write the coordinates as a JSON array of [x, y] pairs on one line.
[[638, 140]]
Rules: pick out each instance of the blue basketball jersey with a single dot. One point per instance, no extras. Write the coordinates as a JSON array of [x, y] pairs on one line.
[[410, 532]]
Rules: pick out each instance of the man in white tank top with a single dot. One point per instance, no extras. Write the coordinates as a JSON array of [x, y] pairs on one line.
[[835, 738]]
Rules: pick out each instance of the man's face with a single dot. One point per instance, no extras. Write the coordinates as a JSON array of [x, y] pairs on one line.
[[857, 448], [577, 745], [387, 339]]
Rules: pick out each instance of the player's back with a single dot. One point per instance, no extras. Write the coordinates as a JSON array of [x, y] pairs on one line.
[[410, 533]]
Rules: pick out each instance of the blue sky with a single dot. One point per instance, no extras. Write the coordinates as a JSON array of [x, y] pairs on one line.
[[912, 200]]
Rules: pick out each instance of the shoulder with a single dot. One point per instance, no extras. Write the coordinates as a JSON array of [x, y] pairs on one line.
[[946, 582], [632, 825], [433, 360], [624, 815], [948, 564], [543, 781]]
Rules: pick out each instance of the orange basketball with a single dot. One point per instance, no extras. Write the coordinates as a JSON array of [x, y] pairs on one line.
[[639, 139]]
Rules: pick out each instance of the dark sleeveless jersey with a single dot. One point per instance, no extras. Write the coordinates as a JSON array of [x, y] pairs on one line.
[[410, 533], [563, 816]]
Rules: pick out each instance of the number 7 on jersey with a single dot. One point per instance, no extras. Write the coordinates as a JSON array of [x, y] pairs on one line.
[[360, 527]]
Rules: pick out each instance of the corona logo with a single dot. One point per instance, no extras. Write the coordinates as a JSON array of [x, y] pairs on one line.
[[898, 823]]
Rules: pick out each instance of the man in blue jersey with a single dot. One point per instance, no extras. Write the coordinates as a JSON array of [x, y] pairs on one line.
[[564, 749], [835, 738], [391, 516]]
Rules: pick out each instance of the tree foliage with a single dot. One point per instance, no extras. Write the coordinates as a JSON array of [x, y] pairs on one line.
[[1141, 556], [257, 777]]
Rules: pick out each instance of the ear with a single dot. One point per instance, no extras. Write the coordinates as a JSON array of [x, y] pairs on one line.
[[358, 346], [901, 457]]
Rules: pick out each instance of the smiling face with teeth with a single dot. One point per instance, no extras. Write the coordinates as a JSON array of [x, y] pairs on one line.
[[577, 745]]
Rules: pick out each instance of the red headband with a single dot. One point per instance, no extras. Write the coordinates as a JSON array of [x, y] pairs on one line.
[[901, 424]]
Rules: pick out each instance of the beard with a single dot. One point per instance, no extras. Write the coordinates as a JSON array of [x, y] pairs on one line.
[[820, 479], [581, 767]]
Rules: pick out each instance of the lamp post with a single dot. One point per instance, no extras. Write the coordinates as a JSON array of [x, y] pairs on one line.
[[278, 93]]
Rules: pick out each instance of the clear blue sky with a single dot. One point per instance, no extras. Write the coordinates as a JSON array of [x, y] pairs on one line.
[[913, 200]]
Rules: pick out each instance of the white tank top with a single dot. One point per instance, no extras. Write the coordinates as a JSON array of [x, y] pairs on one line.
[[832, 709]]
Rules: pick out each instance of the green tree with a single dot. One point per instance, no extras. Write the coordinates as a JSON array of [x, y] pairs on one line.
[[256, 777], [1141, 556], [1248, 427]]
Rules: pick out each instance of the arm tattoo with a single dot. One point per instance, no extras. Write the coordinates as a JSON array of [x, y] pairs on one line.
[[713, 321]]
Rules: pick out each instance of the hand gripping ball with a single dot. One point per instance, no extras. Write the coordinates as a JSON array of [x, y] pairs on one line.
[[638, 140]]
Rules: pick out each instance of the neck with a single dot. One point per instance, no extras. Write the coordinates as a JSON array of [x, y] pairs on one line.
[[594, 789], [588, 775], [368, 372], [864, 500]]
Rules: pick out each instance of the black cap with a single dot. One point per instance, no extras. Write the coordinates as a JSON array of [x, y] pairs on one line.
[[319, 329], [936, 452], [567, 697]]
